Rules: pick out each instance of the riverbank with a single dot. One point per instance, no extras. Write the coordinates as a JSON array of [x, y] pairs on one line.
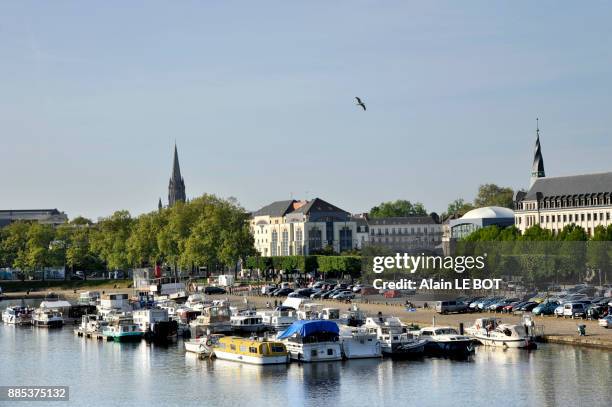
[[556, 330]]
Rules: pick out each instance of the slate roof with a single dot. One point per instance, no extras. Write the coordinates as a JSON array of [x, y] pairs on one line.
[[278, 208], [318, 205], [571, 185]]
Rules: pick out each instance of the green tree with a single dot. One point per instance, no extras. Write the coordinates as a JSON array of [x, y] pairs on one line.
[[397, 209], [493, 195], [458, 207], [109, 240]]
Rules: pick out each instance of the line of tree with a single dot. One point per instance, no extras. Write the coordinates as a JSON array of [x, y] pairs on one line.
[[206, 231], [539, 256], [338, 265]]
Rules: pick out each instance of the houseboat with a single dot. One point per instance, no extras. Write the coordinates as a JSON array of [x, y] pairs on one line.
[[279, 319], [312, 341], [156, 325], [122, 330], [89, 297], [47, 318], [395, 339], [214, 319], [445, 341], [482, 326], [91, 324], [18, 315], [507, 336], [252, 351], [358, 343], [354, 316], [247, 321]]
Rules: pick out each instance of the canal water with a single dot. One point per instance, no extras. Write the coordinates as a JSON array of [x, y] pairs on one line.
[[114, 375]]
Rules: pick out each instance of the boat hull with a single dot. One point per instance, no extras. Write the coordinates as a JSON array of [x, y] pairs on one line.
[[414, 349], [522, 343], [457, 349], [47, 324], [354, 349], [126, 337], [314, 352], [252, 360]]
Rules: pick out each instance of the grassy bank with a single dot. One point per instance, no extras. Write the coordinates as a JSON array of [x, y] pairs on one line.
[[49, 285]]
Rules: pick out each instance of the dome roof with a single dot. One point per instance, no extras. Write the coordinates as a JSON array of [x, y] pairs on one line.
[[489, 212]]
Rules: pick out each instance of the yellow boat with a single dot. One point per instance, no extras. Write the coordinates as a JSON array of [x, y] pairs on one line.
[[253, 351]]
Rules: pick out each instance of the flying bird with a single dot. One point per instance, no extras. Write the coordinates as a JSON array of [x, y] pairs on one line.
[[360, 103]]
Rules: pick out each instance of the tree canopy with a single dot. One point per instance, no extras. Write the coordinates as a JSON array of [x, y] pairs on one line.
[[398, 208]]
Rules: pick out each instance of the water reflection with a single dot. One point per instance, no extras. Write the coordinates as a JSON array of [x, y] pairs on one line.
[[108, 373]]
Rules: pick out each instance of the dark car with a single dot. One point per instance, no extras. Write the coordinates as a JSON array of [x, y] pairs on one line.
[[214, 290], [282, 292], [528, 306]]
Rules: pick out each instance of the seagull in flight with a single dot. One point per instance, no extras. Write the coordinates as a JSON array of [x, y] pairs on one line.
[[360, 103]]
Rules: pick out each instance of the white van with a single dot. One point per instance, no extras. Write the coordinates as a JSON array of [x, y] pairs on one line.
[[574, 310]]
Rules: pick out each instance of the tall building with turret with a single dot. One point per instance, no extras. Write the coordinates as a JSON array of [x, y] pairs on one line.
[[176, 186], [537, 169], [555, 202]]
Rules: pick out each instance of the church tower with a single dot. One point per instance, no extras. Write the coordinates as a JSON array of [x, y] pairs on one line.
[[176, 187], [537, 170]]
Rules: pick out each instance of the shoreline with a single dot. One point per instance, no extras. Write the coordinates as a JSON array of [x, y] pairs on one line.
[[555, 330]]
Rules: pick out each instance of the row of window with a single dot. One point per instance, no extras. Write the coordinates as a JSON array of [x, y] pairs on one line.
[[571, 217], [552, 203], [401, 231]]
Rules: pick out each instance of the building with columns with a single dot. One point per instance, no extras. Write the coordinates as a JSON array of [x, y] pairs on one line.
[[554, 202], [291, 227]]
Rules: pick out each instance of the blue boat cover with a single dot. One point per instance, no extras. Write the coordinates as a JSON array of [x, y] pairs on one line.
[[305, 328]]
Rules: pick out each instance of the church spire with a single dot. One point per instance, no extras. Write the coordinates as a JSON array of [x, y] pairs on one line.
[[537, 170], [176, 186], [159, 205]]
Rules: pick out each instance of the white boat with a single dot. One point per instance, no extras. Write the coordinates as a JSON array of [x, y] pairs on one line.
[[89, 297], [247, 321], [308, 311], [278, 319], [354, 316], [114, 302], [506, 336], [17, 315], [47, 318], [202, 345], [214, 319], [312, 341], [482, 326], [445, 341], [395, 339], [358, 343], [91, 324]]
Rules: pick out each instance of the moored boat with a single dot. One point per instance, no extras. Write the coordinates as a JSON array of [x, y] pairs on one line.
[[122, 330], [312, 341], [202, 345], [247, 322], [214, 319], [17, 315], [395, 339], [446, 341], [253, 351], [155, 325], [47, 318], [358, 343], [507, 336]]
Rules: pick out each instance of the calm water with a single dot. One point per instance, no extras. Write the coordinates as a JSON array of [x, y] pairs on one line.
[[113, 374]]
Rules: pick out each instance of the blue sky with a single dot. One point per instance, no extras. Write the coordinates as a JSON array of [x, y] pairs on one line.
[[259, 97]]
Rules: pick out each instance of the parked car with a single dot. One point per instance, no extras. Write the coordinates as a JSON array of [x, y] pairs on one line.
[[545, 308], [451, 306], [606, 322], [574, 310], [214, 290], [559, 311], [346, 295], [499, 305], [282, 292], [267, 289], [526, 307]]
